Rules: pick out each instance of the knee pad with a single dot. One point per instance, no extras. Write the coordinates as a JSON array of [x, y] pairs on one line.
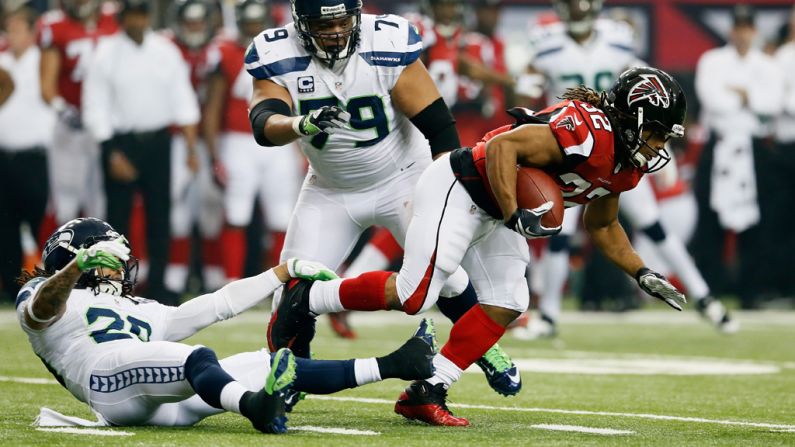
[[655, 232]]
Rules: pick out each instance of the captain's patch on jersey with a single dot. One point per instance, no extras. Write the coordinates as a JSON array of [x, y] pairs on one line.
[[306, 84]]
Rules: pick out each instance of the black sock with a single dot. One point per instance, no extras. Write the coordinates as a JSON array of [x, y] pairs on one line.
[[454, 307]]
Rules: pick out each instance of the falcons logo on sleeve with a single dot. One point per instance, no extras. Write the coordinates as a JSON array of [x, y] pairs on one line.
[[649, 88]]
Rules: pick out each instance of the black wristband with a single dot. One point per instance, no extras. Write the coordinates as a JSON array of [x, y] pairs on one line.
[[438, 125], [511, 222], [642, 271], [260, 113]]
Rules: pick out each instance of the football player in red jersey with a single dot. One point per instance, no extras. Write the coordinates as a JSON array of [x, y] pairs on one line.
[[480, 104], [195, 197], [248, 171], [466, 214], [68, 38], [448, 58]]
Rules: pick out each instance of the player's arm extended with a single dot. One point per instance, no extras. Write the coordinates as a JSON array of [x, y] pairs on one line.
[[6, 86], [49, 67], [236, 297], [601, 223], [417, 97], [271, 98], [49, 302], [527, 145]]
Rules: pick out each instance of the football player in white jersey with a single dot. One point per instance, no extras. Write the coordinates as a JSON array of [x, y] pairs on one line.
[[585, 50], [351, 90], [121, 354]]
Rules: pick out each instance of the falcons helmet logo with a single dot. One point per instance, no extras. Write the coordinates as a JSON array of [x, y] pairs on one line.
[[649, 88]]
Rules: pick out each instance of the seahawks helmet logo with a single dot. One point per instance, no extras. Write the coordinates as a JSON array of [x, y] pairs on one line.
[[649, 88]]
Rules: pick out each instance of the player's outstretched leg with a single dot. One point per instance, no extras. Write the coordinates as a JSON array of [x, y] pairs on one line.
[[501, 374], [265, 408], [411, 361]]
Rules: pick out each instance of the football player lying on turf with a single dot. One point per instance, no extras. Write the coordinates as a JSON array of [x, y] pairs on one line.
[[466, 215], [119, 353]]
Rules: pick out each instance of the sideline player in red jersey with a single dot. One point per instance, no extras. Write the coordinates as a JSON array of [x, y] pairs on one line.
[[68, 38], [466, 214], [249, 171], [195, 197]]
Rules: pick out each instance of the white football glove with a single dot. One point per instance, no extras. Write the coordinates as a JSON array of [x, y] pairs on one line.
[[110, 254], [658, 286], [313, 271]]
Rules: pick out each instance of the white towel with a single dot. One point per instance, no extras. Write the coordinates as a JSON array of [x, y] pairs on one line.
[[733, 183], [51, 418]]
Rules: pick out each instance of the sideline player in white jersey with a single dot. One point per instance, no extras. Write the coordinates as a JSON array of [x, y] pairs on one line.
[[121, 354], [584, 50], [350, 88]]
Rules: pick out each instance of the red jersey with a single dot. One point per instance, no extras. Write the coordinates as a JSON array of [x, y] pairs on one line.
[[441, 51], [586, 139], [201, 61], [238, 86], [76, 43], [480, 109]]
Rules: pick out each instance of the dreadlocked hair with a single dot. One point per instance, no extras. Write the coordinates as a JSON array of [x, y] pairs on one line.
[[25, 276], [583, 94]]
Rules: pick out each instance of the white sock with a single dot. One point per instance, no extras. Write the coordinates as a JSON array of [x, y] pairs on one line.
[[231, 395], [447, 372], [369, 260], [175, 278], [555, 267], [214, 277], [366, 371], [675, 254], [324, 297]]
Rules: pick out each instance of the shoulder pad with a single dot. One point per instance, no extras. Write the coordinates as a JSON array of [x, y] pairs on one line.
[[389, 40], [276, 52], [28, 290], [524, 115]]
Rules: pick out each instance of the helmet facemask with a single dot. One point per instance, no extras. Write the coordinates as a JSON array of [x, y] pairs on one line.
[[80, 10], [194, 27], [630, 136], [326, 45], [578, 15], [100, 280]]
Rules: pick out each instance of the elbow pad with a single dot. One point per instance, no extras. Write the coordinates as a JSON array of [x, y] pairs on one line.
[[260, 113], [437, 124]]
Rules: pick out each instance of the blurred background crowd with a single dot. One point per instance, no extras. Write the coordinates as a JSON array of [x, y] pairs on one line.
[[135, 111]]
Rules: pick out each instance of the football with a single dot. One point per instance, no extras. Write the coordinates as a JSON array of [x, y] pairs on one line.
[[533, 188]]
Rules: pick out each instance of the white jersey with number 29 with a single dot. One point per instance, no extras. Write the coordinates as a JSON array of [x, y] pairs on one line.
[[380, 140]]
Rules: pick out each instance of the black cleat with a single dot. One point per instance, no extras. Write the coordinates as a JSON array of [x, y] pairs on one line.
[[413, 360], [292, 325]]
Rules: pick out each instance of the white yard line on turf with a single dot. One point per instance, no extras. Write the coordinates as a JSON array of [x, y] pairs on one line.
[[31, 380], [335, 431], [658, 417], [86, 431], [581, 429]]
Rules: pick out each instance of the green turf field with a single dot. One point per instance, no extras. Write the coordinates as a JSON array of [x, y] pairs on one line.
[[648, 378]]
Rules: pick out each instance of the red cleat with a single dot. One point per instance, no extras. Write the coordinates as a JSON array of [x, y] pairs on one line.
[[427, 403], [339, 323]]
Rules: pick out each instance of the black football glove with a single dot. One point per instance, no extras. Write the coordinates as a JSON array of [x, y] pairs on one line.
[[328, 119], [528, 222], [658, 286]]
